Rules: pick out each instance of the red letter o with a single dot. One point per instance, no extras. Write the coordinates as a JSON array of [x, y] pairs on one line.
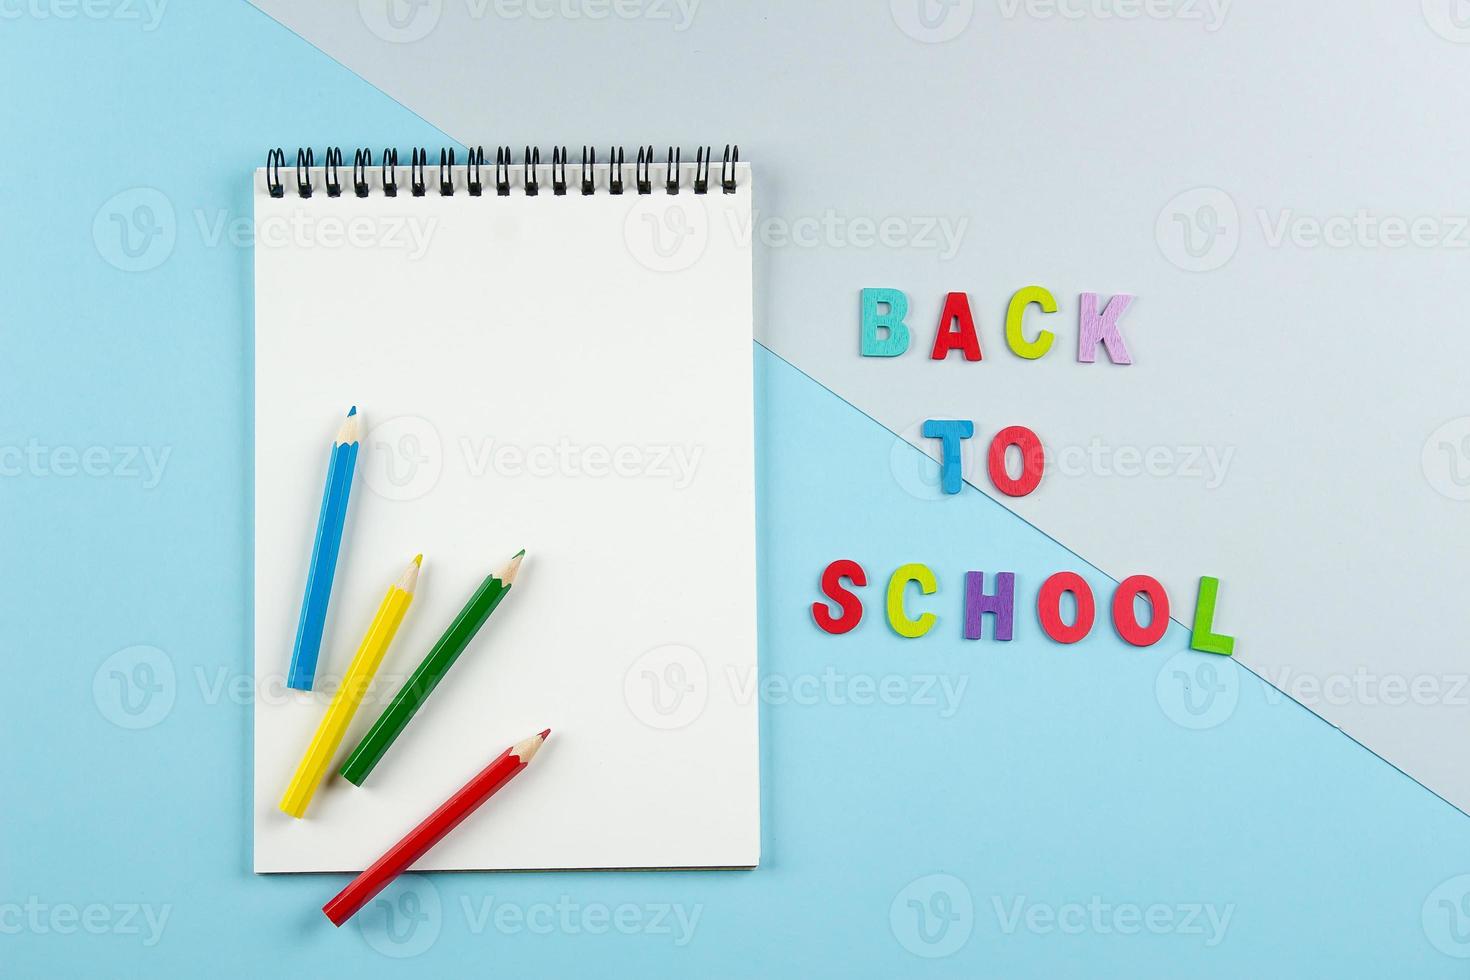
[[1049, 608], [1127, 624], [1033, 460]]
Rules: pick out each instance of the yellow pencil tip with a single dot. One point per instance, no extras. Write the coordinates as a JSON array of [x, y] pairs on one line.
[[419, 560]]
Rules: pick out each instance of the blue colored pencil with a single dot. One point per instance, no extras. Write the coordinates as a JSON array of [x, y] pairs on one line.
[[324, 556]]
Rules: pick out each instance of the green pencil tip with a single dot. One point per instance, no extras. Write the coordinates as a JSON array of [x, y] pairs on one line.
[[518, 554]]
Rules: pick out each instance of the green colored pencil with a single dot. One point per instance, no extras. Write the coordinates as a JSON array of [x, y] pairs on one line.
[[427, 675]]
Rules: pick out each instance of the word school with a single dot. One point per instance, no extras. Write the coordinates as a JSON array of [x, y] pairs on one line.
[[841, 577]]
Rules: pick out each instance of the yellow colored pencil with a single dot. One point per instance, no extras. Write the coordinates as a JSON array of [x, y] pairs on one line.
[[365, 662]]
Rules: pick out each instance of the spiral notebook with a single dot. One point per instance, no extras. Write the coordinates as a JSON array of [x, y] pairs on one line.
[[546, 355]]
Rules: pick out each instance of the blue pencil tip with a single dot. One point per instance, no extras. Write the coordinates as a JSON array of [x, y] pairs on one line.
[[353, 412]]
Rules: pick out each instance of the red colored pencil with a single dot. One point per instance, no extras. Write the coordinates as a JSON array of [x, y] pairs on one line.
[[414, 846]]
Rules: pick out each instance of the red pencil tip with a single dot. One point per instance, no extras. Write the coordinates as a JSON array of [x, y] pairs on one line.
[[544, 734]]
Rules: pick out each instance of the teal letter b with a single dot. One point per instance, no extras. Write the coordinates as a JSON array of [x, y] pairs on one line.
[[897, 339]]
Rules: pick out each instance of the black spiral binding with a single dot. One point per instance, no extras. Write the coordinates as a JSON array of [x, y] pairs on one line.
[[532, 162], [615, 170], [390, 173], [333, 168], [416, 172], [304, 162], [274, 161], [559, 170], [446, 173], [640, 171], [475, 161], [362, 162]]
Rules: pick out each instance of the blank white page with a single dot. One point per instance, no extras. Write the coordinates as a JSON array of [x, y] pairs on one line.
[[570, 375]]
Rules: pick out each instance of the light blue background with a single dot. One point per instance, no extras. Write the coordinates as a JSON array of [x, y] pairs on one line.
[[1061, 774]]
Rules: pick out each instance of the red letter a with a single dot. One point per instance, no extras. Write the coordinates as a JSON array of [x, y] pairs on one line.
[[957, 312]]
